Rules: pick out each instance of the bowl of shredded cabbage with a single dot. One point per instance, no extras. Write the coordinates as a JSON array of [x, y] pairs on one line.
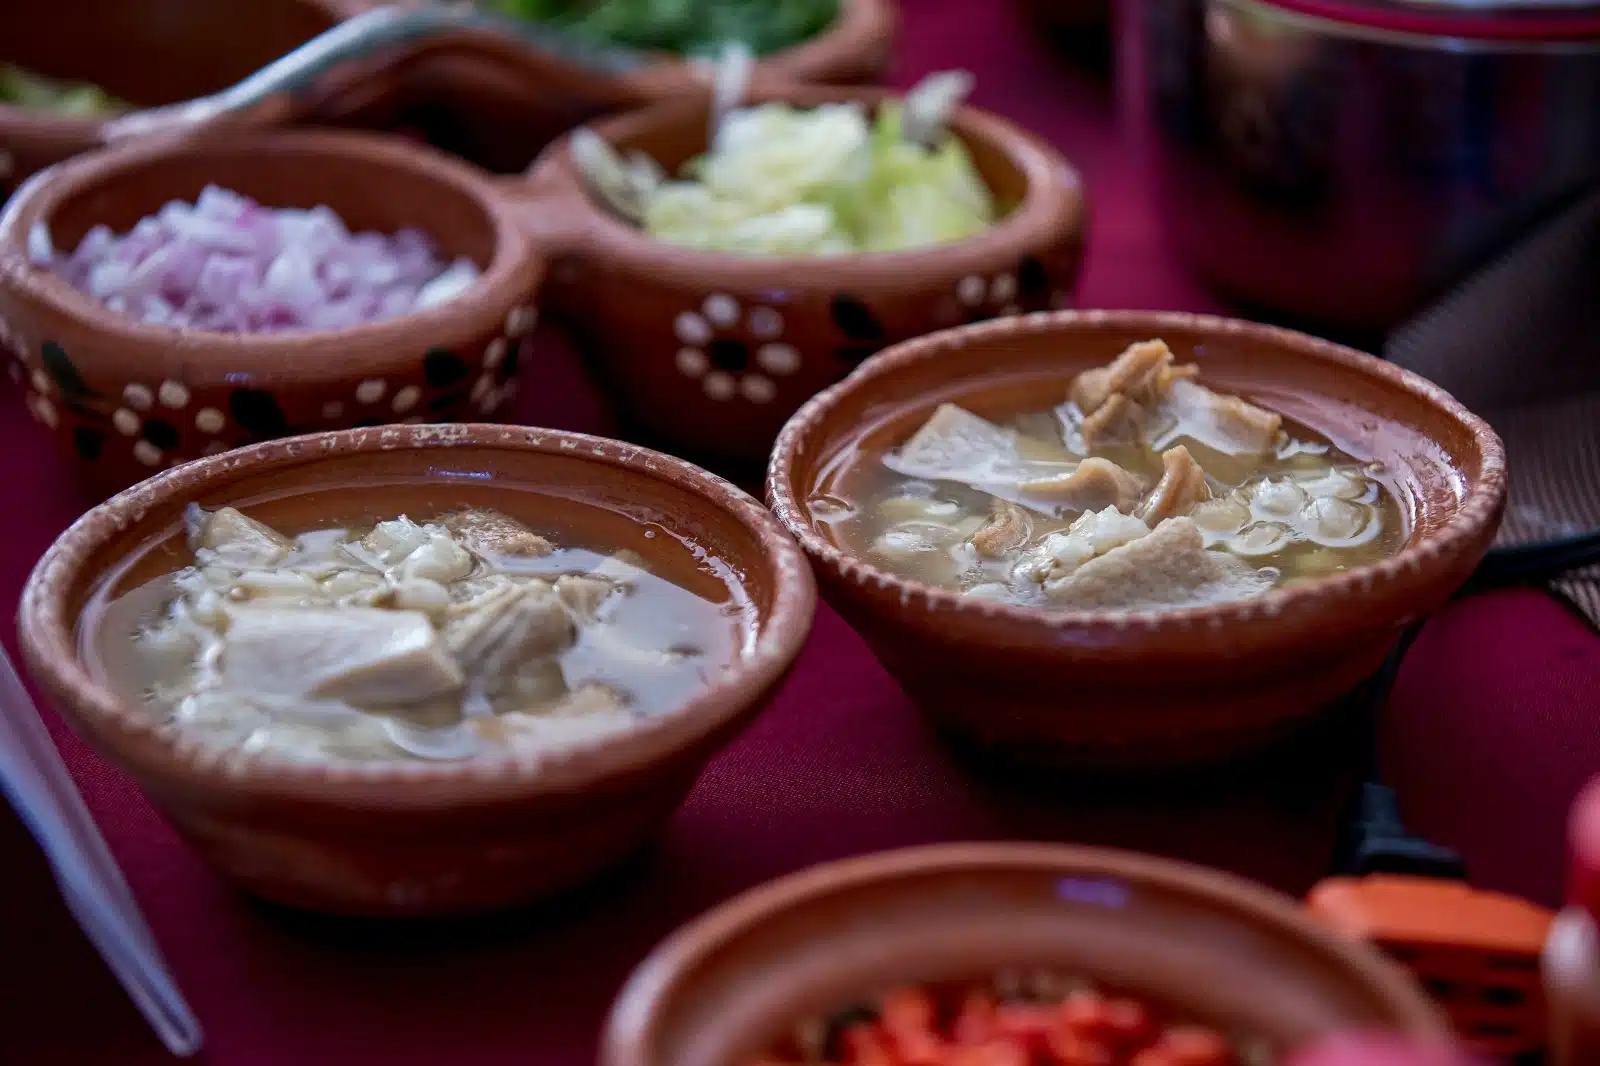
[[721, 264]]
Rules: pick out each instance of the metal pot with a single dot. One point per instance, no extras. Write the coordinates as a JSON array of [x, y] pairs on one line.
[[1344, 162]]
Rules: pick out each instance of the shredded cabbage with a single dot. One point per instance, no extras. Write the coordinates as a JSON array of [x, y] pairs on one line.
[[822, 181]]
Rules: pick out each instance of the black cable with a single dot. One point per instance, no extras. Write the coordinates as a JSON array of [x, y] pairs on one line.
[[1373, 838], [1528, 563]]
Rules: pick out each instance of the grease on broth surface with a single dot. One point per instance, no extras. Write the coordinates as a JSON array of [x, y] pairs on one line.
[[1143, 490], [439, 636]]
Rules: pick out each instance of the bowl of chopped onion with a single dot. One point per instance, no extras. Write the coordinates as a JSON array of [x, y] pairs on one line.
[[718, 286], [167, 300]]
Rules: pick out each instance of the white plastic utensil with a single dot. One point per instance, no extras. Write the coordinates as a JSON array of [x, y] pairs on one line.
[[35, 779]]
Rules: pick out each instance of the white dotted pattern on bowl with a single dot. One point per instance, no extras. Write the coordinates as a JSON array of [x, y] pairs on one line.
[[697, 329]]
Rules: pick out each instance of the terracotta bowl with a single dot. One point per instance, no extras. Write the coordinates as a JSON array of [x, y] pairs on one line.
[[154, 52], [498, 103], [393, 839], [125, 398], [1119, 689], [711, 352], [1211, 947]]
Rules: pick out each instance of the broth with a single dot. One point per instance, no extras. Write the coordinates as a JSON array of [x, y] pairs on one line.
[[441, 630], [1143, 490]]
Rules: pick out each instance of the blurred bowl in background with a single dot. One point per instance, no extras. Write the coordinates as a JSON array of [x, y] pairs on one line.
[[1346, 161], [154, 52], [498, 104], [1079, 26]]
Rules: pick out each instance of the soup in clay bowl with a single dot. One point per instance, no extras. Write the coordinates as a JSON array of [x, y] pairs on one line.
[[124, 396], [711, 351], [498, 103], [417, 670], [818, 964], [1258, 516]]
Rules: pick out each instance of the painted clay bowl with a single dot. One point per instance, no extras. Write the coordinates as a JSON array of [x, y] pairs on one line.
[[1124, 689], [498, 103], [1206, 945], [155, 52], [126, 399], [711, 352], [390, 838]]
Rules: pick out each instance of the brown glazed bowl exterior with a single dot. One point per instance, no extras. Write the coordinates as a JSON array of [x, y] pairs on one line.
[[125, 398], [711, 352], [155, 52], [504, 102], [395, 838], [1206, 945], [1124, 689]]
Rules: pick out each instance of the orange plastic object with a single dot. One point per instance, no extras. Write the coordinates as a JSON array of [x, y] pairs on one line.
[[1572, 951], [1476, 952]]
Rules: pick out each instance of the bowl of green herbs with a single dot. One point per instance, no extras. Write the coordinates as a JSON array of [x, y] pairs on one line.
[[683, 27], [493, 100]]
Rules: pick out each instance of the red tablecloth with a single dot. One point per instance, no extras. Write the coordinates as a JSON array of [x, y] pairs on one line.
[[1494, 724]]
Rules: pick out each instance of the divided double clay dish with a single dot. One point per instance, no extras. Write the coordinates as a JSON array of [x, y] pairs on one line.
[[710, 351]]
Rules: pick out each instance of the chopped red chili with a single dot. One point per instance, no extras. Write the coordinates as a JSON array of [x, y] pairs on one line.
[[972, 1026]]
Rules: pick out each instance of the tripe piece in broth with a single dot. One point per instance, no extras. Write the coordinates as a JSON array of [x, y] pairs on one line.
[[1153, 492], [443, 639]]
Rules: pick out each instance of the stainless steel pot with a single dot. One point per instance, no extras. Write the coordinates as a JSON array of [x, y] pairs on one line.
[[1345, 162]]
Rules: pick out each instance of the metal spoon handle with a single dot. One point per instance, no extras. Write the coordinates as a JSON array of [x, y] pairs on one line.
[[382, 28], [34, 777]]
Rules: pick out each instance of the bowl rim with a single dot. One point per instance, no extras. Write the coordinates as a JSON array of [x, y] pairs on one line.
[[1053, 204], [299, 354], [49, 637], [634, 1019], [15, 117], [857, 27], [1478, 510]]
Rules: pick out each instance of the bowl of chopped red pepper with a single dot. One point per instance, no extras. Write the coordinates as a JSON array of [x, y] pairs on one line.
[[1006, 955]]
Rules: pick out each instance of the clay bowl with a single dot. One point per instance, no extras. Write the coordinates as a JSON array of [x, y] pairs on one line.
[[395, 839], [154, 52], [125, 398], [711, 352], [1118, 690], [1210, 947], [498, 103]]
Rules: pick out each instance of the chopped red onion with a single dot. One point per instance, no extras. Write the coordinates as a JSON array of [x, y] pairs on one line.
[[229, 265]]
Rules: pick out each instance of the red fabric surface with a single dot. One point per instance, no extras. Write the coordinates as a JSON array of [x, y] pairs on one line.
[[1493, 726]]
